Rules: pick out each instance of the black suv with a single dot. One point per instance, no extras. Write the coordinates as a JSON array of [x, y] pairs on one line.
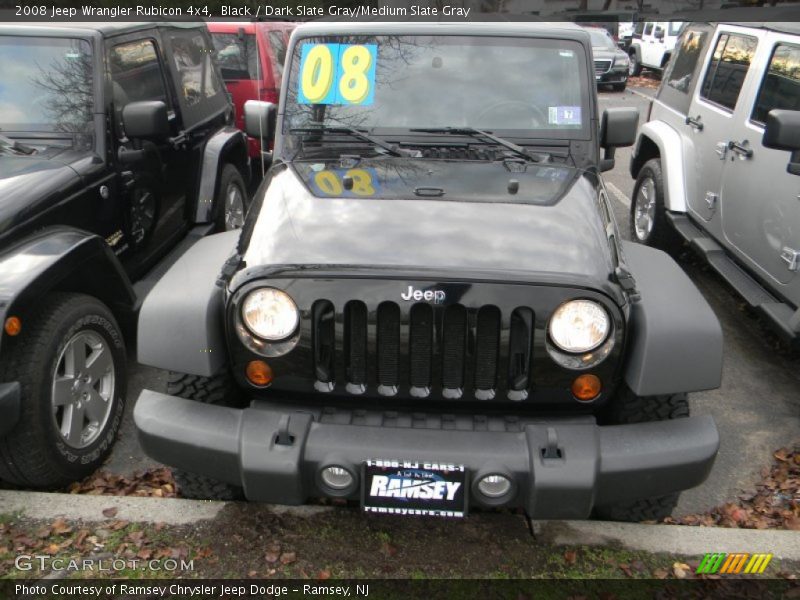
[[115, 142], [429, 306]]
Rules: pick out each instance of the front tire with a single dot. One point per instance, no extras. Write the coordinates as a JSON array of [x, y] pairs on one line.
[[219, 390], [648, 216], [629, 408], [231, 200], [70, 361], [634, 67]]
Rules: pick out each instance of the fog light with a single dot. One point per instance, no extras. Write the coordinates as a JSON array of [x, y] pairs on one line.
[[13, 326], [337, 478], [494, 486], [259, 373], [586, 387]]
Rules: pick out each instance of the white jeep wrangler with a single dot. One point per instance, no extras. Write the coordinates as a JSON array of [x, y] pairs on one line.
[[652, 45], [717, 164]]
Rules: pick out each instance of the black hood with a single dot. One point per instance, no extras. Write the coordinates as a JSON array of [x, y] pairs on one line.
[[30, 185], [549, 226], [603, 53]]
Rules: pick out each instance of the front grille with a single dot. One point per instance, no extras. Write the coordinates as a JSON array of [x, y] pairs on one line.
[[425, 351], [601, 66]]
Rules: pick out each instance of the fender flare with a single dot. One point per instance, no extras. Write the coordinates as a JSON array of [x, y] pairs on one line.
[[181, 331], [220, 145], [66, 259], [669, 145], [635, 49], [674, 337]]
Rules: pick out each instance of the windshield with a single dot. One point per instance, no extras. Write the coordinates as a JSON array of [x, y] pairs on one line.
[[675, 27], [45, 85], [601, 39], [533, 88]]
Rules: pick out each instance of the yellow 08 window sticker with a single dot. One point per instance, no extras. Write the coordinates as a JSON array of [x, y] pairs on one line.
[[342, 74], [330, 182]]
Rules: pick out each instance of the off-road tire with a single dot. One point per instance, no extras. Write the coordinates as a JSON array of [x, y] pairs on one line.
[[628, 408], [220, 390], [34, 453], [662, 235], [229, 176], [636, 66]]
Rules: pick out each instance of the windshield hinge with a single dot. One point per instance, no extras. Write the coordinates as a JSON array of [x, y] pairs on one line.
[[627, 282]]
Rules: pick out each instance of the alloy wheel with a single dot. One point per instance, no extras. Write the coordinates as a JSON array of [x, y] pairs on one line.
[[644, 215]]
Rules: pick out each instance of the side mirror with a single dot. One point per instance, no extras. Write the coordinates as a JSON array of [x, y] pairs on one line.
[[259, 119], [782, 132], [146, 120], [617, 130]]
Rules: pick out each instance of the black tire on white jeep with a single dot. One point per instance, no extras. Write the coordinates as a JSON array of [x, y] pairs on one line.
[[629, 408], [648, 218], [635, 66], [220, 390]]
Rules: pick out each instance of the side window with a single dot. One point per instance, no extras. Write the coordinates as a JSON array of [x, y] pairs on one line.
[[648, 28], [236, 55], [196, 77], [638, 29], [136, 75], [277, 43], [781, 85], [728, 68], [680, 72]]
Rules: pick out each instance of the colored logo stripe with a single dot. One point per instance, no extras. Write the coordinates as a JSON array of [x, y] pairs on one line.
[[732, 564]]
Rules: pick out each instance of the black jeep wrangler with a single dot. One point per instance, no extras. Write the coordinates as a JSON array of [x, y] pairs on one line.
[[115, 142], [429, 306]]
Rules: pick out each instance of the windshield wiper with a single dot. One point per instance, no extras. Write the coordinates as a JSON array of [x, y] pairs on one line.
[[7, 142], [352, 131], [472, 132]]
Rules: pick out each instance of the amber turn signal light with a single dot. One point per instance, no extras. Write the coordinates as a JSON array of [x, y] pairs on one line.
[[586, 387], [13, 326], [259, 373]]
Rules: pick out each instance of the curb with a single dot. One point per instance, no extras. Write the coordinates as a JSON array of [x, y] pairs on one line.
[[642, 94], [81, 507], [671, 539]]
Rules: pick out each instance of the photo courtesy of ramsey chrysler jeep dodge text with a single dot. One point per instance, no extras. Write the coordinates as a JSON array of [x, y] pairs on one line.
[[429, 307]]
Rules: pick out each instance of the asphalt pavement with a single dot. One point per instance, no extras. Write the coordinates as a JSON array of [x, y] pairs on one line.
[[757, 409]]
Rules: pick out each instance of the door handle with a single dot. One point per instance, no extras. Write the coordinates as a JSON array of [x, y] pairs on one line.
[[695, 122], [741, 148]]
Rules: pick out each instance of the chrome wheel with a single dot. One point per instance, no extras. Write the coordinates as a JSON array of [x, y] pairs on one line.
[[83, 389], [644, 214], [234, 207]]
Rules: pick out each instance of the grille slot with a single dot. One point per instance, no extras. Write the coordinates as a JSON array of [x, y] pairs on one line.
[[389, 344], [519, 349], [487, 346], [323, 340], [454, 340], [355, 342], [420, 345]]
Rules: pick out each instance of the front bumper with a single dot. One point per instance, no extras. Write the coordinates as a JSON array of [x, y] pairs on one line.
[[561, 468], [10, 406], [614, 76]]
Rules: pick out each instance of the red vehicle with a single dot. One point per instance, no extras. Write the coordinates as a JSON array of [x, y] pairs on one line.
[[251, 57]]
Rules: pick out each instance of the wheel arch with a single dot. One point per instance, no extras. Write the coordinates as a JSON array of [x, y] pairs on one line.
[[228, 145], [658, 140], [635, 50], [65, 260]]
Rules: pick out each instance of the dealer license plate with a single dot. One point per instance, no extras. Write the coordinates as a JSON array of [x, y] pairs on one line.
[[402, 487]]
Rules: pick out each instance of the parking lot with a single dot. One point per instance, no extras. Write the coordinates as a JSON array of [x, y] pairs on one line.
[[757, 409]]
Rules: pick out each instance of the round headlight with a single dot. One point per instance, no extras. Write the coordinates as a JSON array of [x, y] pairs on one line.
[[579, 326], [270, 314]]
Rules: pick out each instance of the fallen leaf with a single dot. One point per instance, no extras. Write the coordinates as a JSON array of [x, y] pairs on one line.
[[680, 570], [660, 573], [570, 556], [110, 512], [324, 574], [60, 527], [252, 573], [271, 557], [288, 558], [626, 569], [144, 554]]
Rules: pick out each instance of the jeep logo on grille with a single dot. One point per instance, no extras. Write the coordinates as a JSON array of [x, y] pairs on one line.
[[436, 295]]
